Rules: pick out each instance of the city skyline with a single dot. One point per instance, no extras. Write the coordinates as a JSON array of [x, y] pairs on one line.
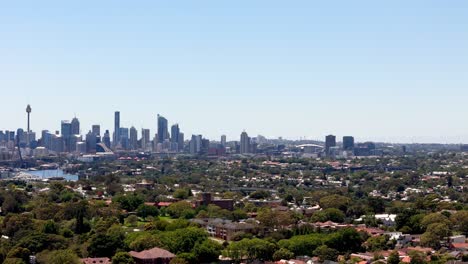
[[384, 72]]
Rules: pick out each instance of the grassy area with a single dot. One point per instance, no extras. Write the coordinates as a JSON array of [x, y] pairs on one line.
[[167, 218]]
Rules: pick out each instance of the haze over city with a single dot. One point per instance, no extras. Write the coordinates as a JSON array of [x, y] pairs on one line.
[[393, 72]]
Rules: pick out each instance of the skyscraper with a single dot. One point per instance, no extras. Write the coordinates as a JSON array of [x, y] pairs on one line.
[[244, 143], [66, 131], [330, 141], [162, 129], [133, 138], [348, 143], [181, 142], [96, 129], [106, 139], [75, 126], [124, 139], [91, 140], [223, 140], [175, 132], [145, 139], [116, 128]]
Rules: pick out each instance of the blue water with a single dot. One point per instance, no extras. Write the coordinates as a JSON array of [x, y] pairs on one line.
[[45, 174]]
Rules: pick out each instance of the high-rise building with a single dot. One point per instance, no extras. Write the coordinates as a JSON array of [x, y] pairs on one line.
[[91, 140], [330, 141], [196, 144], [106, 139], [124, 139], [348, 143], [180, 144], [75, 126], [244, 143], [175, 132], [145, 139], [96, 129], [223, 140], [133, 138], [162, 129], [116, 128], [66, 131]]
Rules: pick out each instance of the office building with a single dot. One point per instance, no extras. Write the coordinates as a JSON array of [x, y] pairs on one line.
[[75, 126], [348, 143], [116, 138], [330, 141], [106, 139], [133, 138], [145, 139], [180, 144], [66, 131], [223, 140], [244, 143], [162, 129], [96, 129], [124, 138], [91, 141], [175, 132]]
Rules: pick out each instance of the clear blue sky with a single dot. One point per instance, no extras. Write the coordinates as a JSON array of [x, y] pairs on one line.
[[379, 70]]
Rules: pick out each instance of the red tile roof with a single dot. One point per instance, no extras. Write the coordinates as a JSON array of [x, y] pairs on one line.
[[155, 253], [96, 261]]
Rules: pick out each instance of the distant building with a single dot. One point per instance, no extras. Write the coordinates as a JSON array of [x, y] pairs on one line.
[[180, 144], [223, 140], [106, 139], [145, 139], [152, 256], [124, 138], [244, 143], [116, 138], [348, 143], [330, 141], [75, 126], [195, 144], [162, 129], [224, 229], [175, 133], [96, 129], [91, 141], [66, 131], [133, 138]]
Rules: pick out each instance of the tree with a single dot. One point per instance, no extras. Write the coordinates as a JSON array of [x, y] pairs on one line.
[[122, 258], [50, 227], [434, 218], [19, 252], [181, 209], [144, 242], [207, 251], [416, 257], [132, 220], [335, 201], [147, 210], [183, 240], [460, 221], [14, 261], [129, 202], [104, 245], [393, 258], [326, 253], [283, 253], [252, 249], [58, 257], [377, 243]]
